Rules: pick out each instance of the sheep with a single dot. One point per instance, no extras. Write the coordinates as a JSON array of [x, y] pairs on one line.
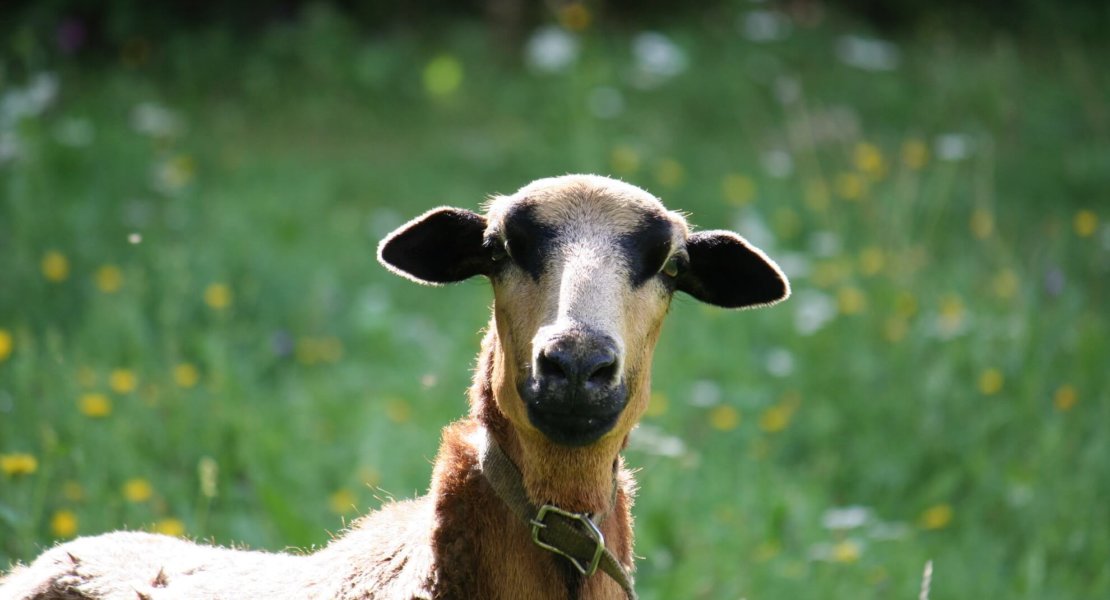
[[529, 495]]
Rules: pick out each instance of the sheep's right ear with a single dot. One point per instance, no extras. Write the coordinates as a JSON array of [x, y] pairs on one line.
[[443, 245]]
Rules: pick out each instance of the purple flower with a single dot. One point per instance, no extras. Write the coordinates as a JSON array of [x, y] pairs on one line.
[[71, 35]]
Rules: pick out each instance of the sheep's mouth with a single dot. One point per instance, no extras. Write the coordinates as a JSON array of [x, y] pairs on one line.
[[573, 419]]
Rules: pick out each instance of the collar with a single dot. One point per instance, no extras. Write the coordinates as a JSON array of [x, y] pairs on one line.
[[574, 536]]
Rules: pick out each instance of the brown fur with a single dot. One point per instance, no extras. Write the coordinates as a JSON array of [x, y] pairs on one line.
[[460, 540]]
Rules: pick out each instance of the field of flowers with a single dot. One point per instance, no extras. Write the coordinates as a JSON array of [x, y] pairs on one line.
[[195, 337]]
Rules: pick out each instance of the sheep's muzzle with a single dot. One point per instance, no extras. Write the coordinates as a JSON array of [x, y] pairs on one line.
[[576, 393]]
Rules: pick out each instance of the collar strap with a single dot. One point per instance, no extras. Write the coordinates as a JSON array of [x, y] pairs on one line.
[[574, 536]]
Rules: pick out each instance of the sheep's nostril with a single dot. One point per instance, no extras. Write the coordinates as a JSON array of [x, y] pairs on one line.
[[553, 365], [604, 373]]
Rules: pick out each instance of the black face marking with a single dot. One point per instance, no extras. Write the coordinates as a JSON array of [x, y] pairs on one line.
[[647, 247], [528, 241]]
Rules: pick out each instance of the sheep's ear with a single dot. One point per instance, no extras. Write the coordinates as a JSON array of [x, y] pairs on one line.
[[443, 245], [727, 271]]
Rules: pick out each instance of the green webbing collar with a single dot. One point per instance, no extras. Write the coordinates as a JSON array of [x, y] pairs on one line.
[[574, 536]]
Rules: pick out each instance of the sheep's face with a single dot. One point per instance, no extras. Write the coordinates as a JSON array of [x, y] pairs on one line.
[[583, 271]]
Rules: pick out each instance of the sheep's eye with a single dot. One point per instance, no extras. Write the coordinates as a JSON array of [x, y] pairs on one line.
[[672, 267], [498, 250]]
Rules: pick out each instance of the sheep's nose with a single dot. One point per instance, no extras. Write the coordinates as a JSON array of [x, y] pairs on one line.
[[578, 364], [575, 394]]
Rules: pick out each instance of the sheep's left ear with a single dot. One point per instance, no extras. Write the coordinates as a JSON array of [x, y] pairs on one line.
[[727, 271], [443, 245]]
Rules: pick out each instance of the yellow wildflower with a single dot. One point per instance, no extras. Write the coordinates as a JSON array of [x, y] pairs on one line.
[[208, 472], [217, 296], [135, 52], [109, 279], [670, 173], [787, 223], [625, 160], [123, 381], [846, 551], [657, 405], [830, 272], [915, 154], [990, 382], [443, 75], [369, 476], [19, 463], [724, 418], [981, 223], [951, 313], [170, 526], [330, 349], [895, 329], [63, 524], [185, 375], [177, 172], [1005, 284], [94, 405], [817, 196], [850, 186], [878, 576], [5, 344], [871, 260], [1086, 222], [574, 16], [936, 517], [906, 304], [398, 411], [137, 490], [776, 418], [55, 266], [738, 189], [342, 502], [868, 159], [310, 351], [851, 300], [73, 491], [1065, 398], [767, 550]]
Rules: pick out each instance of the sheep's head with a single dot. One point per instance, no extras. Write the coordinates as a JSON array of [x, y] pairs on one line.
[[583, 270]]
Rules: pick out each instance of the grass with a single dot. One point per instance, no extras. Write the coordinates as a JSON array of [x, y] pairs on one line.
[[243, 372]]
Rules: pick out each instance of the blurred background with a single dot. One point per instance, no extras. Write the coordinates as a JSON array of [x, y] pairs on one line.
[[195, 337]]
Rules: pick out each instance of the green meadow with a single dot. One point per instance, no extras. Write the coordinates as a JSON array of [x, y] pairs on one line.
[[196, 338]]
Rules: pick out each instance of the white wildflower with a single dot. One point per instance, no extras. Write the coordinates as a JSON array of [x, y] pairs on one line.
[[778, 163], [551, 49], [952, 146], [156, 120], [812, 311], [650, 439], [868, 54], [764, 26], [657, 59], [846, 517], [780, 362], [705, 392]]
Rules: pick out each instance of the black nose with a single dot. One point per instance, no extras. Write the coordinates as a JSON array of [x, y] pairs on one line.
[[580, 365], [575, 394]]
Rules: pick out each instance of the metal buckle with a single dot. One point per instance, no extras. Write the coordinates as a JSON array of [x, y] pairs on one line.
[[591, 529]]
